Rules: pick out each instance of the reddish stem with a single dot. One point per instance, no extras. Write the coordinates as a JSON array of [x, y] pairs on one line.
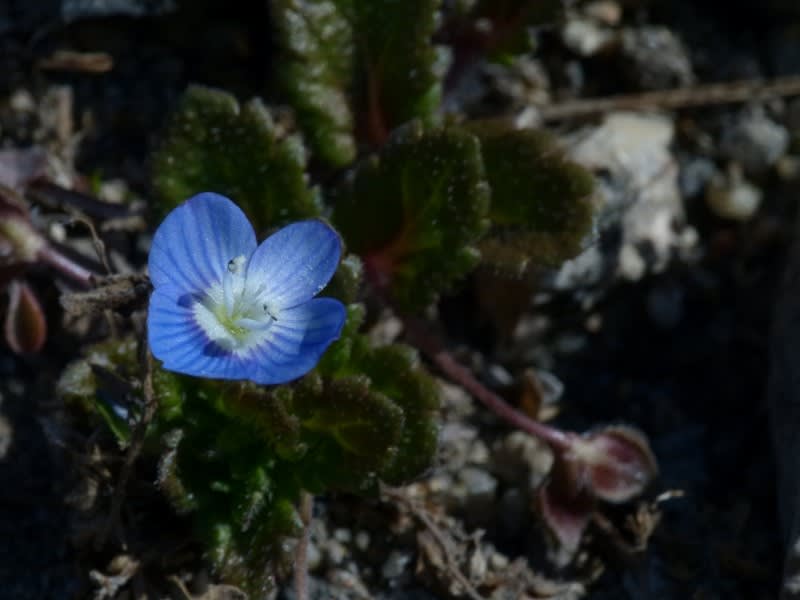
[[454, 370], [377, 131], [64, 265]]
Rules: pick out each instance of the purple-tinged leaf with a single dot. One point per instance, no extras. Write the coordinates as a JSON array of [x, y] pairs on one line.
[[566, 507], [617, 462], [25, 327], [614, 464], [18, 167]]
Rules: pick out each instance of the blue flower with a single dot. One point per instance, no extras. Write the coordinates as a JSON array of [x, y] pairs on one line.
[[226, 308]]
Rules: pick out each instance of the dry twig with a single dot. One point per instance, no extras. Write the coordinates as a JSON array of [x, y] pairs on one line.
[[134, 448], [702, 95], [445, 544]]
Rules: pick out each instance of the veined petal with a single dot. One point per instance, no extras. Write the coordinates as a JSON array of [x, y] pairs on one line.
[[295, 263], [297, 341], [192, 247], [176, 339]]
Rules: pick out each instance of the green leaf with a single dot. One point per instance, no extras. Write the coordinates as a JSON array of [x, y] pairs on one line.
[[315, 73], [395, 371], [346, 282], [336, 359], [100, 383], [415, 211], [371, 58], [351, 429], [214, 145], [541, 201], [399, 70], [374, 420], [222, 463], [236, 457]]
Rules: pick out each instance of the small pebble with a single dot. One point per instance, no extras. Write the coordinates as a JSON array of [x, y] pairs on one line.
[[477, 565], [656, 59], [478, 453], [695, 175], [498, 561], [362, 541], [479, 494], [22, 101], [754, 141], [521, 459], [336, 552], [313, 556], [342, 535], [607, 12], [395, 564], [732, 197], [586, 37], [499, 375]]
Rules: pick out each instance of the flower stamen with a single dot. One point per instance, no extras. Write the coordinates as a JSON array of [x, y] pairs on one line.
[[233, 312]]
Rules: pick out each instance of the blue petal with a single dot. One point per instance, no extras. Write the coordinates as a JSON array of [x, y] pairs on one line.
[[298, 339], [296, 262], [177, 340], [193, 245]]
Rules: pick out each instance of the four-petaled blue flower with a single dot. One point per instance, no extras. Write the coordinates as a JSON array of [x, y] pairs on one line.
[[226, 308]]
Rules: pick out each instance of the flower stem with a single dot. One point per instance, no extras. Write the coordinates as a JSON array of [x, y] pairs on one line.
[[301, 552], [429, 346], [64, 265]]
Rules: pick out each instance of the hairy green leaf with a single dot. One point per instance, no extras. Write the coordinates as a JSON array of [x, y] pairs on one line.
[[415, 211], [352, 431], [315, 73], [541, 207], [337, 358], [398, 68], [364, 66], [100, 383], [395, 371], [220, 466], [214, 145], [235, 457], [346, 282]]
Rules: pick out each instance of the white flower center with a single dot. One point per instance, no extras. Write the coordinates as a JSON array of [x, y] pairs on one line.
[[235, 313]]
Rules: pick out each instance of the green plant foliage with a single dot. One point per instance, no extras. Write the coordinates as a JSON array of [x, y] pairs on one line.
[[99, 383], [398, 68], [372, 59], [315, 73], [236, 457], [339, 355], [394, 370], [352, 431], [346, 282], [415, 211], [394, 373], [541, 201], [222, 466], [213, 144]]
